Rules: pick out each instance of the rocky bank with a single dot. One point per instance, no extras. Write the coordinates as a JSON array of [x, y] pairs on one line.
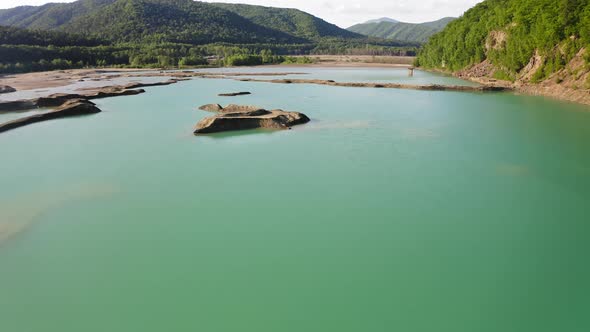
[[236, 117]]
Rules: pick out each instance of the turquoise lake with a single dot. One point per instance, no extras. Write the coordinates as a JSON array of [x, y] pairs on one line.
[[392, 210]]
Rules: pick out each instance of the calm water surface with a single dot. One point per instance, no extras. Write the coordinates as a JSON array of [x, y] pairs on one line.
[[393, 210], [348, 74]]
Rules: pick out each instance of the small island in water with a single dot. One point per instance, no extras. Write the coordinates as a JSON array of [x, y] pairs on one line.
[[235, 117]]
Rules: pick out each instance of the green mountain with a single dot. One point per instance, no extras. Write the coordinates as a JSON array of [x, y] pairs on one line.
[[409, 32], [178, 21], [527, 40], [291, 21], [382, 19], [19, 36], [51, 15], [184, 21], [170, 33]]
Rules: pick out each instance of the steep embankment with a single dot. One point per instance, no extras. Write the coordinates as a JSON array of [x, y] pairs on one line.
[[536, 46]]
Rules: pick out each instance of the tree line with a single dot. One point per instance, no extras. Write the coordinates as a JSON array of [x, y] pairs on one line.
[[26, 50]]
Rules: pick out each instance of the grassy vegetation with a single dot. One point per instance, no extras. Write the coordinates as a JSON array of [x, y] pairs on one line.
[[363, 47], [503, 75], [300, 60], [264, 58]]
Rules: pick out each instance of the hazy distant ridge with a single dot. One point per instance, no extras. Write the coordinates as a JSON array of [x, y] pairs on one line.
[[409, 32]]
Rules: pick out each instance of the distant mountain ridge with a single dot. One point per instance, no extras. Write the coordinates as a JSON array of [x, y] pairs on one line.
[[289, 20], [383, 19], [401, 31], [51, 15], [179, 21]]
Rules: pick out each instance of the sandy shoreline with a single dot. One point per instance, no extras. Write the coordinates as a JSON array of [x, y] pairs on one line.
[[339, 65], [47, 90], [79, 83], [59, 78], [93, 80], [363, 60]]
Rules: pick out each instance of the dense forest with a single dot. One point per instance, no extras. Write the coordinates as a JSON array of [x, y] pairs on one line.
[[25, 50], [16, 36], [509, 33], [179, 21], [408, 32], [170, 33], [33, 57], [291, 21]]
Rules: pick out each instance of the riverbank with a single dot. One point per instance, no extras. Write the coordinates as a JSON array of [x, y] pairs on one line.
[[559, 87], [63, 85], [428, 87], [81, 82], [361, 61], [58, 78], [571, 83]]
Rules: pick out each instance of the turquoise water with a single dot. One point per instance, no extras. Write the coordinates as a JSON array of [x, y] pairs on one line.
[[393, 210], [349, 74]]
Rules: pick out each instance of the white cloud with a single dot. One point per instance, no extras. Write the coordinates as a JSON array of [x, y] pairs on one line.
[[16, 3], [348, 12], [344, 12]]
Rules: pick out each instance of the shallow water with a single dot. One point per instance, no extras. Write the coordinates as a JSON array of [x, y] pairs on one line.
[[349, 74], [79, 86], [392, 210]]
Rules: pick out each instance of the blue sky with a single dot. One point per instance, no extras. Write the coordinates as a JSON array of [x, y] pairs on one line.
[[344, 12]]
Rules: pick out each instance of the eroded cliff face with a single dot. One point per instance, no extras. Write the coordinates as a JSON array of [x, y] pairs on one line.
[[571, 83], [496, 40]]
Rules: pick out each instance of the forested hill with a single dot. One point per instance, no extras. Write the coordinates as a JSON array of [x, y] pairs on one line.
[[183, 21], [51, 15], [409, 32], [18, 36], [524, 40], [178, 21], [292, 21], [170, 34]]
